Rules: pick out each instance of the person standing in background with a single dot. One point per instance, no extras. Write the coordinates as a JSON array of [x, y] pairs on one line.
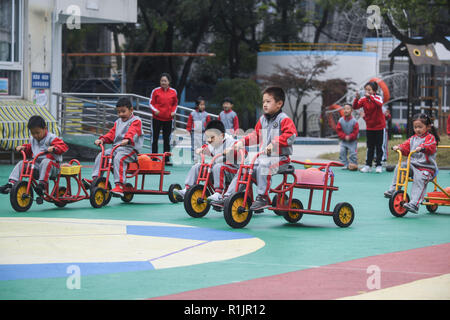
[[228, 117], [163, 103]]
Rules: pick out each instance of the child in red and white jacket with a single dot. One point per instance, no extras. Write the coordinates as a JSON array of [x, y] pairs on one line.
[[126, 132], [48, 164], [423, 162], [347, 130], [375, 123], [275, 133]]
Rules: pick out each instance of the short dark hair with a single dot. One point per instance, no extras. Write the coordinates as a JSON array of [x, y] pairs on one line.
[[216, 124], [165, 74], [124, 102], [198, 100], [373, 85], [277, 93], [36, 122], [227, 99]]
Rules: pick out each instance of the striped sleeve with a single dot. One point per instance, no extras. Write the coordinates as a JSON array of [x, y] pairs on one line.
[[429, 146], [288, 133], [152, 101]]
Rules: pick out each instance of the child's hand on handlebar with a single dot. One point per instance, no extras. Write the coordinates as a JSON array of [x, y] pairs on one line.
[[98, 142], [269, 149], [238, 145], [51, 149], [395, 148], [198, 150], [124, 142], [20, 148]]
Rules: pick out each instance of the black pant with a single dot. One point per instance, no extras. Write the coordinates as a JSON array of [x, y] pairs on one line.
[[166, 127], [374, 141]]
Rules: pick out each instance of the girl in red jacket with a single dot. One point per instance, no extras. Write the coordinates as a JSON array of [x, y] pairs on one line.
[[375, 124], [163, 103]]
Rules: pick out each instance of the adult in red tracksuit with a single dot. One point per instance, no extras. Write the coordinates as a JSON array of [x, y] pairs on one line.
[[163, 103], [448, 125], [372, 105]]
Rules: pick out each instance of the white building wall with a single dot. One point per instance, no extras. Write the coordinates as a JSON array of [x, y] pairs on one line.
[[43, 21]]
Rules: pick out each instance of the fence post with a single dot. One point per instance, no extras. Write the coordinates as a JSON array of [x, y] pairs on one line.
[[305, 120]]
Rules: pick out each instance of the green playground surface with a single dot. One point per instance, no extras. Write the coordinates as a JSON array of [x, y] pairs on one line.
[[313, 241]]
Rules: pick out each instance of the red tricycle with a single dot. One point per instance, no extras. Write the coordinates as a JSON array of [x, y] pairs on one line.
[[196, 203], [146, 164], [21, 194], [237, 211]]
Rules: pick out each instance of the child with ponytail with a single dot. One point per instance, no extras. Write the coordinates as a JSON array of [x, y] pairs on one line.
[[423, 161]]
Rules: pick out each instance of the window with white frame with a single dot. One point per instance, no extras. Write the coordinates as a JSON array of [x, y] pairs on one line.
[[11, 66]]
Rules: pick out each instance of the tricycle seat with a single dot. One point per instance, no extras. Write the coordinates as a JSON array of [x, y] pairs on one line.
[[286, 169], [310, 176]]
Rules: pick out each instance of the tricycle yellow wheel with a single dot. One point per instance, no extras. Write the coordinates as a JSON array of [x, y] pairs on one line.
[[100, 182], [235, 213], [97, 197], [127, 195], [61, 193], [195, 205], [292, 216], [172, 196], [21, 200], [343, 214]]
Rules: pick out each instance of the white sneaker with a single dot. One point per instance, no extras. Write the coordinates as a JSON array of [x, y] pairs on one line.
[[379, 169], [366, 169], [215, 197], [180, 193]]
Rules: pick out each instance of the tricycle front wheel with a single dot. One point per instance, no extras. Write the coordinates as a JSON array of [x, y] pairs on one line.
[[21, 201], [396, 203], [235, 213], [194, 204]]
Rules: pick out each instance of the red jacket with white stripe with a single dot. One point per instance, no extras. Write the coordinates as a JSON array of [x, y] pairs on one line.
[[165, 101], [448, 125], [427, 157], [373, 111]]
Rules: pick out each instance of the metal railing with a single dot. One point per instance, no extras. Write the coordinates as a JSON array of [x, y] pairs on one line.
[[310, 47], [94, 113]]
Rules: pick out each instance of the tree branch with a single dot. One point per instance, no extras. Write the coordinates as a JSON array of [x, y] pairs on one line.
[[435, 37]]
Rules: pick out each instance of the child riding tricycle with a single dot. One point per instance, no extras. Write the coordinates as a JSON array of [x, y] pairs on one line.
[[420, 168], [399, 198], [147, 164], [21, 194], [237, 209]]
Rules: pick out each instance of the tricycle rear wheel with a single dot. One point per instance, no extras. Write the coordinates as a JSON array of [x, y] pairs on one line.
[[127, 196], [172, 196], [291, 216], [343, 214], [97, 197]]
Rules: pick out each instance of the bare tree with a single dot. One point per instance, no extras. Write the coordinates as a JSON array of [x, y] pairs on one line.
[[299, 80]]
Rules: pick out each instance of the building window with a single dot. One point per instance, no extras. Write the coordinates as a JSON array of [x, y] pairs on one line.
[[11, 66]]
